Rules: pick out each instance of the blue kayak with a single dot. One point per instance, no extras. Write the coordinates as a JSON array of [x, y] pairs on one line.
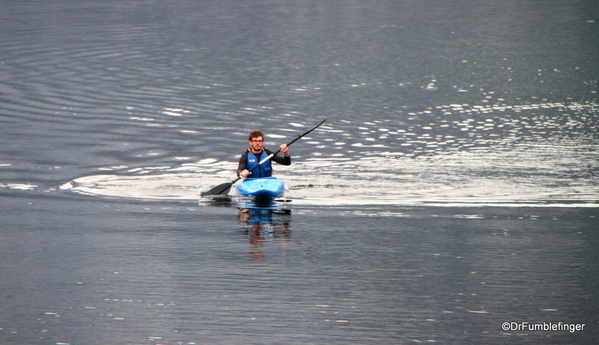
[[269, 187]]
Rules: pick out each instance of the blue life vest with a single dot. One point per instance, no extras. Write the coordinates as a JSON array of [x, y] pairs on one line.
[[264, 170]]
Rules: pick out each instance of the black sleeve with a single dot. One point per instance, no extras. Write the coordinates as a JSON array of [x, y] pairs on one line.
[[281, 159], [243, 161]]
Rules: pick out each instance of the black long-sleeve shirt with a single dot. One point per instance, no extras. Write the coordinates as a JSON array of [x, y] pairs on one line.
[[277, 158]]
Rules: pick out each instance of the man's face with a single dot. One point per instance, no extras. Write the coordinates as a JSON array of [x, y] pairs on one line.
[[256, 143]]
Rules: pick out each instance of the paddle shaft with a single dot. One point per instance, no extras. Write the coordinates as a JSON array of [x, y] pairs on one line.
[[220, 189], [279, 150]]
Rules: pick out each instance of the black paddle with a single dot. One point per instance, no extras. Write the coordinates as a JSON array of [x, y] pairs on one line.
[[224, 187]]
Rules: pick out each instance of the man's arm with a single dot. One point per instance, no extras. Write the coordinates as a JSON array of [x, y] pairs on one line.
[[243, 162], [281, 159]]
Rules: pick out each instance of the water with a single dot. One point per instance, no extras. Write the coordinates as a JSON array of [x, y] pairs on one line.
[[452, 188]]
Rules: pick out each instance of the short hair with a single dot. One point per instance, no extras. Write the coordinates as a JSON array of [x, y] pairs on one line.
[[255, 134]]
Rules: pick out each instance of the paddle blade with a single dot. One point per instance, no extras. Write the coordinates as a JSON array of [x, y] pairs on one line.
[[222, 188]]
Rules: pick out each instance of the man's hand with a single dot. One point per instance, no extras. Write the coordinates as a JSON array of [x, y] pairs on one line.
[[244, 173], [285, 150]]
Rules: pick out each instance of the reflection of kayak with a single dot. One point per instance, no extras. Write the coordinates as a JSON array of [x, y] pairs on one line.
[[260, 215], [270, 187]]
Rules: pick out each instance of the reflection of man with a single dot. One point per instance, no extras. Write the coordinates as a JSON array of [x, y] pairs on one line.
[[260, 223], [256, 153]]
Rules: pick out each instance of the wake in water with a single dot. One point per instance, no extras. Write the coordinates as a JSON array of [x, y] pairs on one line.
[[529, 155], [539, 175]]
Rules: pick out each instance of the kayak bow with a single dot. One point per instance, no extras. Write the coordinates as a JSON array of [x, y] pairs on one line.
[[269, 187]]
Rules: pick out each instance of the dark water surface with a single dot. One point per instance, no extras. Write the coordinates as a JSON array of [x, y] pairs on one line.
[[158, 273], [453, 187]]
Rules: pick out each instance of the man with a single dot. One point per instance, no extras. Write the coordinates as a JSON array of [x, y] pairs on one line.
[[256, 153]]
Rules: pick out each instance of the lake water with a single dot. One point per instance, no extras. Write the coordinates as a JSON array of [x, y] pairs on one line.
[[452, 188]]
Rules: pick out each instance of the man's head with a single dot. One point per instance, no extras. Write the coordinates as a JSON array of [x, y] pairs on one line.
[[256, 139]]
